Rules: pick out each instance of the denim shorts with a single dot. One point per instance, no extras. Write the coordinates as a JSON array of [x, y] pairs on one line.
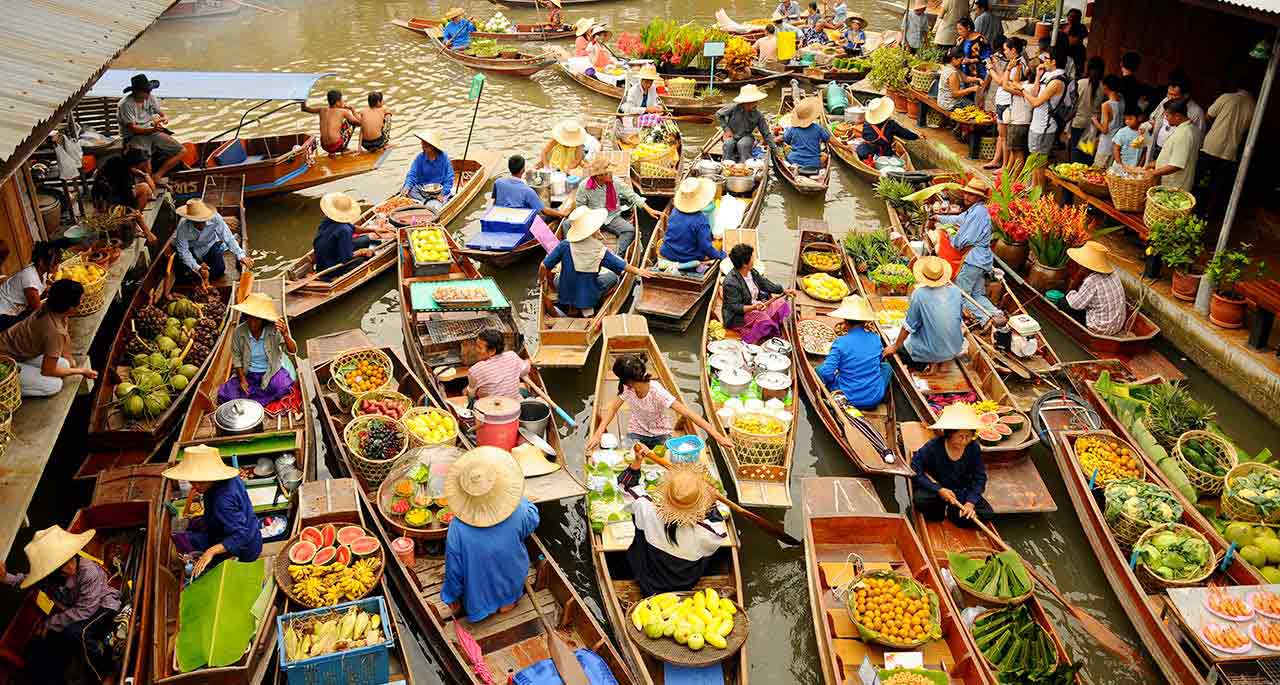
[[1000, 110], [1041, 142]]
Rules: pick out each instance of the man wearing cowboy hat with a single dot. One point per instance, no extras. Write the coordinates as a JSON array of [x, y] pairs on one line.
[[974, 235], [933, 331], [200, 240], [950, 476], [336, 242], [588, 269], [260, 345], [806, 136], [144, 125], [580, 29], [228, 527], [642, 96], [602, 190], [1097, 300], [855, 365], [457, 29], [740, 120], [486, 561], [880, 130], [85, 603], [688, 238], [431, 165]]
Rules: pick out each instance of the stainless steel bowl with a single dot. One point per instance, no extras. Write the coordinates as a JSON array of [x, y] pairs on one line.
[[708, 167], [740, 184]]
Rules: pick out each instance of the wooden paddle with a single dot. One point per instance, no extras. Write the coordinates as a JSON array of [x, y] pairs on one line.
[[774, 529], [310, 279], [1105, 636], [545, 398], [562, 656]]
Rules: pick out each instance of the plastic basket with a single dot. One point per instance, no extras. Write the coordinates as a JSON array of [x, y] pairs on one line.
[[757, 449], [415, 440], [95, 292], [369, 665], [980, 552], [347, 396], [1236, 509], [372, 471], [1128, 194], [987, 147], [1154, 213], [1206, 483], [383, 394], [1153, 583], [11, 386], [685, 449]]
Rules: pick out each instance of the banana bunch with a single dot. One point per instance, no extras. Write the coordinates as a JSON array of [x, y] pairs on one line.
[[322, 586], [311, 637], [696, 621]]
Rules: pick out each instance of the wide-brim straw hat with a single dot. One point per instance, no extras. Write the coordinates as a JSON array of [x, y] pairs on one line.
[[556, 3], [806, 112], [750, 93], [484, 486], [854, 17], [430, 137], [1093, 256], [694, 194], [454, 12], [777, 16], [920, 4], [932, 272], [600, 28], [569, 133], [597, 166], [340, 207], [684, 494], [958, 416], [879, 110], [196, 210], [260, 306], [583, 25], [649, 72], [201, 464], [533, 462], [584, 222], [853, 308], [49, 549], [976, 186]]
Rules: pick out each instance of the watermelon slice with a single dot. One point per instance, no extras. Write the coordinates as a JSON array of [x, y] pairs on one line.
[[1002, 429], [328, 535], [302, 552], [989, 419], [444, 516], [344, 555], [364, 546], [325, 556], [989, 435], [312, 534], [349, 534], [1012, 420]]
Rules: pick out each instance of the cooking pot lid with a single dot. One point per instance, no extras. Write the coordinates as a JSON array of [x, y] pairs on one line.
[[773, 361], [777, 345], [773, 380], [240, 414], [727, 360], [718, 346], [734, 376], [496, 406]]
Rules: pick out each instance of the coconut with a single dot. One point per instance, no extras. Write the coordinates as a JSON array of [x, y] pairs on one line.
[[189, 370], [158, 361], [189, 322], [140, 359], [124, 390], [134, 406], [165, 343], [179, 382]]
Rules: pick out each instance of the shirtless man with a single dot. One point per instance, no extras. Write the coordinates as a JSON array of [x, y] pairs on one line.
[[336, 122], [373, 123]]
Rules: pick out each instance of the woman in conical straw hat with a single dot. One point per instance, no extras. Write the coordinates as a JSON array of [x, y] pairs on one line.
[[588, 269], [855, 366], [1097, 297], [950, 477], [260, 347], [228, 528], [933, 331], [806, 136], [688, 240], [485, 557], [580, 29], [569, 147]]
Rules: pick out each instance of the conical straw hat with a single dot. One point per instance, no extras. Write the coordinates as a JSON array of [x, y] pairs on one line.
[[484, 486], [958, 416], [201, 463], [260, 306], [51, 548]]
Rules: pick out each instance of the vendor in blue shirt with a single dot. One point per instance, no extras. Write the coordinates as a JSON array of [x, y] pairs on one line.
[[336, 242], [514, 193], [228, 528], [950, 478], [588, 269], [431, 165], [933, 332], [688, 238], [855, 366], [974, 235], [806, 136], [201, 238], [485, 558], [854, 38], [457, 29]]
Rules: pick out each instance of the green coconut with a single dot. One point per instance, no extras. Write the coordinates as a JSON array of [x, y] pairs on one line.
[[165, 343], [189, 370], [140, 359], [158, 361], [134, 406], [147, 380], [189, 322], [124, 390], [179, 382]]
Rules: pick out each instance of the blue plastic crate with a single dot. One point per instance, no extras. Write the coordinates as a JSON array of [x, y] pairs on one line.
[[496, 241], [507, 220], [361, 666]]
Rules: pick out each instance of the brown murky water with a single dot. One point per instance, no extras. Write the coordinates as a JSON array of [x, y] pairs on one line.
[[353, 41]]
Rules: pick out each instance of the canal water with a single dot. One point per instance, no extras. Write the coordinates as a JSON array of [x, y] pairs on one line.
[[353, 41]]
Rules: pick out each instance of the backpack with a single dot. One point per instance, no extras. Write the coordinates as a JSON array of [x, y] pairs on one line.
[[1063, 110]]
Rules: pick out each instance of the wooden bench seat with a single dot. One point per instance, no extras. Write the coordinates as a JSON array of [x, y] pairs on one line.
[[1263, 295], [972, 131]]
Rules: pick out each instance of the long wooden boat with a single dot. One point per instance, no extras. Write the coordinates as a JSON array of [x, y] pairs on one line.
[[843, 521], [678, 105], [115, 439], [304, 295], [845, 150], [1168, 642], [756, 484], [124, 506], [522, 32], [874, 455], [523, 65], [501, 259], [670, 300], [809, 185], [629, 335], [538, 3], [565, 341], [511, 641]]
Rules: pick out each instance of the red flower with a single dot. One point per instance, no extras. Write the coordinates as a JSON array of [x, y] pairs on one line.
[[1018, 187]]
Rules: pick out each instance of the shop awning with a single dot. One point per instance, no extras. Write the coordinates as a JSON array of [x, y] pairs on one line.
[[212, 85]]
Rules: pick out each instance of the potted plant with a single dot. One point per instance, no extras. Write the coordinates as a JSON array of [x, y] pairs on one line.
[[1226, 270], [1177, 244], [892, 278], [1051, 229], [1011, 184], [889, 67]]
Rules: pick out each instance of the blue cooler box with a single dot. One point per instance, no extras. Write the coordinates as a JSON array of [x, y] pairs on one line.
[[502, 229]]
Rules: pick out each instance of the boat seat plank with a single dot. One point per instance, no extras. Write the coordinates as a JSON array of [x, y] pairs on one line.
[[870, 552], [1015, 487], [763, 493], [850, 653], [493, 627], [835, 573]]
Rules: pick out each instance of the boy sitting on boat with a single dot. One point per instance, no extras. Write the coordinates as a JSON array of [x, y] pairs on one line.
[[336, 122], [806, 137], [373, 124]]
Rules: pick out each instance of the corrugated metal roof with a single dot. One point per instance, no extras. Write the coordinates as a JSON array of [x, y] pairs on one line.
[[212, 85], [53, 49], [1272, 6]]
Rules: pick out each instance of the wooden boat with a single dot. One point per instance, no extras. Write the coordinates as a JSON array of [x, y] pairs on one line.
[[522, 65], [756, 484], [844, 521], [845, 150], [809, 185], [124, 505], [115, 439], [510, 641], [565, 341], [648, 186], [722, 81], [200, 9], [678, 105], [304, 295], [1175, 648], [522, 32], [868, 443], [629, 335], [538, 3], [748, 32], [500, 260], [1013, 483]]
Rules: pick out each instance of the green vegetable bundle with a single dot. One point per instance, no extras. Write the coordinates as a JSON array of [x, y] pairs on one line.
[[893, 275], [1141, 501], [998, 578], [1171, 198], [1175, 553], [1019, 649]]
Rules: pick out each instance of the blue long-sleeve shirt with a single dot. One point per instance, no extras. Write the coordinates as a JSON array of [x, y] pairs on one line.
[[967, 478], [515, 193], [688, 238], [334, 244], [457, 33], [229, 519], [934, 322], [193, 244], [853, 367], [425, 170], [974, 233], [485, 568], [806, 144], [578, 289]]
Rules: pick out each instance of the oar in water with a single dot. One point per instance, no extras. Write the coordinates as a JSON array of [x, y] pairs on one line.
[[571, 672], [769, 527]]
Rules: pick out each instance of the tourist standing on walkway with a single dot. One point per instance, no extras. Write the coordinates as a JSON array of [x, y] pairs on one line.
[[915, 25], [973, 236], [952, 12], [1230, 116], [1089, 97], [1176, 165], [1043, 95], [1179, 90]]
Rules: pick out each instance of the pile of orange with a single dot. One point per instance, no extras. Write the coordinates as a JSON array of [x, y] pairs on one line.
[[1267, 633], [883, 606], [366, 376], [1112, 459]]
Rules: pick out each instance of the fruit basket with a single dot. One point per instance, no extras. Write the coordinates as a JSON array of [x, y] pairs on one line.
[[411, 498], [324, 565], [758, 439], [1166, 204], [871, 591], [1206, 458], [359, 371], [430, 426], [823, 287], [362, 659], [382, 402], [1128, 191], [822, 259], [430, 250], [817, 337], [1111, 457], [678, 606], [94, 279], [10, 385], [375, 442]]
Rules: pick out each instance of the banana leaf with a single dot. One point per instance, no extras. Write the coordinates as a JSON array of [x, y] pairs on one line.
[[215, 615]]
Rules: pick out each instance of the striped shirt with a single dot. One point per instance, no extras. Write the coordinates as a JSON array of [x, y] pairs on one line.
[[498, 375], [1102, 298], [649, 415]]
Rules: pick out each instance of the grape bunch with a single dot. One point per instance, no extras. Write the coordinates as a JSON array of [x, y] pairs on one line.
[[136, 346], [380, 441], [150, 321]]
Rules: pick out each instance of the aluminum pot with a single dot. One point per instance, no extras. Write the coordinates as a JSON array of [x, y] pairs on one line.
[[777, 345], [740, 185], [708, 167], [772, 361], [773, 384], [734, 381], [238, 417], [728, 360]]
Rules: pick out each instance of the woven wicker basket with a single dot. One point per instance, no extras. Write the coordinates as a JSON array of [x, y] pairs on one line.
[[6, 430], [980, 552], [383, 394], [1206, 483], [935, 614], [1236, 509], [1128, 194], [681, 88], [933, 119], [987, 147], [415, 440], [757, 448], [1126, 529], [95, 292], [827, 249], [346, 396], [11, 386], [372, 471], [1154, 213], [1153, 583], [922, 79], [656, 169]]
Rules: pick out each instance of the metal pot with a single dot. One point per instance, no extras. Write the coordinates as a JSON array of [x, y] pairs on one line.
[[772, 361], [734, 381], [773, 384], [777, 345], [727, 345], [728, 360], [708, 167], [238, 417], [740, 185]]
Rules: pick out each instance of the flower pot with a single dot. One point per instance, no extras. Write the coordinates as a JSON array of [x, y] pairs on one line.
[[1227, 312], [1014, 255], [1151, 268], [913, 108], [900, 100], [1043, 278], [1185, 285], [1044, 29]]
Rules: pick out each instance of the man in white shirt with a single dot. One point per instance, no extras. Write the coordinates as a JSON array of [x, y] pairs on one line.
[[1176, 165], [1229, 117], [1179, 89]]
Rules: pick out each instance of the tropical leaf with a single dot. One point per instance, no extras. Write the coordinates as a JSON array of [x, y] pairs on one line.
[[215, 617]]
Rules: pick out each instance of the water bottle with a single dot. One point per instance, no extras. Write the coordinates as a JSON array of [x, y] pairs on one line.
[[187, 571]]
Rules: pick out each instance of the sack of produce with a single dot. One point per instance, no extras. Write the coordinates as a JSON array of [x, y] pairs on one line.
[[1206, 458], [1018, 649], [1133, 506], [993, 578], [1173, 555], [894, 610]]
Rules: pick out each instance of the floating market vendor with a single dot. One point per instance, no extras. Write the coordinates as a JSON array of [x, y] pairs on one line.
[[20, 293], [1097, 296], [227, 528], [855, 366], [555, 19], [41, 343], [515, 193], [84, 606], [789, 8], [485, 559], [598, 48], [854, 38], [569, 148], [973, 236], [580, 29], [588, 269], [806, 137], [200, 240], [498, 371], [336, 243], [688, 241], [950, 476], [642, 97], [260, 345], [880, 130], [933, 331], [650, 408], [748, 309], [457, 29], [740, 120], [431, 166], [602, 190]]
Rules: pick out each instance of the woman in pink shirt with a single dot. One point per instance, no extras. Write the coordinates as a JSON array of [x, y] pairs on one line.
[[648, 422], [580, 28], [498, 371]]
